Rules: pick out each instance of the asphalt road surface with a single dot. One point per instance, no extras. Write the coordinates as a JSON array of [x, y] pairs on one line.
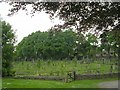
[[111, 84]]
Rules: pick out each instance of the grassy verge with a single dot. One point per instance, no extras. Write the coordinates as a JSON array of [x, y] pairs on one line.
[[22, 83]]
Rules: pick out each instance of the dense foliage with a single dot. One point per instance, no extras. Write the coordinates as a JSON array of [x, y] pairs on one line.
[[47, 45], [8, 40], [59, 45], [110, 41], [83, 15]]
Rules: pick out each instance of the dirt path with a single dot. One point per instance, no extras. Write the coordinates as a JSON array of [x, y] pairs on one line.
[[111, 84]]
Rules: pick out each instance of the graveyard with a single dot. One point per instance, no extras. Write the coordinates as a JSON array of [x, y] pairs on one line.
[[54, 74], [59, 44], [61, 68]]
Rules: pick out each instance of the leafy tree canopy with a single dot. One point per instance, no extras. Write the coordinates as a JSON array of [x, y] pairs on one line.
[[82, 15]]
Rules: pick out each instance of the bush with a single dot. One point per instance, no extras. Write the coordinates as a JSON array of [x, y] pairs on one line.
[[7, 72]]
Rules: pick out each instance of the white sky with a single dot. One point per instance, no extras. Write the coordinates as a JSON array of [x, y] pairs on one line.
[[25, 24]]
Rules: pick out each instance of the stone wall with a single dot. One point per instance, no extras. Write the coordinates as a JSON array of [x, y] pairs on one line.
[[77, 77], [97, 76], [40, 77]]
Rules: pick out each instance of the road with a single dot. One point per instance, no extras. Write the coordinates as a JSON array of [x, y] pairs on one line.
[[111, 84]]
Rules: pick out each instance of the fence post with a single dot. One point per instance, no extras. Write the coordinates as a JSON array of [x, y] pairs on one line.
[[74, 75]]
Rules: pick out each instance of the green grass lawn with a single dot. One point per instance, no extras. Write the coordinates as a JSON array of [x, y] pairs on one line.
[[24, 83], [0, 83]]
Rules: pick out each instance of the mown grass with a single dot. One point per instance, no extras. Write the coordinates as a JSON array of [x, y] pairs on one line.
[[24, 83], [0, 83], [50, 67]]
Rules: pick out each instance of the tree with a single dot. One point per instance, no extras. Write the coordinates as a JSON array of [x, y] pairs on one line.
[[0, 49], [110, 42], [83, 15], [93, 41], [55, 45], [31, 47], [8, 40]]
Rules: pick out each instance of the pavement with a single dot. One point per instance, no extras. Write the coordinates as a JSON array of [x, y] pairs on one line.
[[111, 84]]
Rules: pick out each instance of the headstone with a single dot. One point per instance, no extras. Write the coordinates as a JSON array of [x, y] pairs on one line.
[[111, 68]]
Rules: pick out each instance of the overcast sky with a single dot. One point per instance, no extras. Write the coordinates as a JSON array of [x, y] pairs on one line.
[[25, 24]]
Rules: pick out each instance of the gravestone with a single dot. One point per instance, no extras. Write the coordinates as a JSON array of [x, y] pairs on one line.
[[111, 68]]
